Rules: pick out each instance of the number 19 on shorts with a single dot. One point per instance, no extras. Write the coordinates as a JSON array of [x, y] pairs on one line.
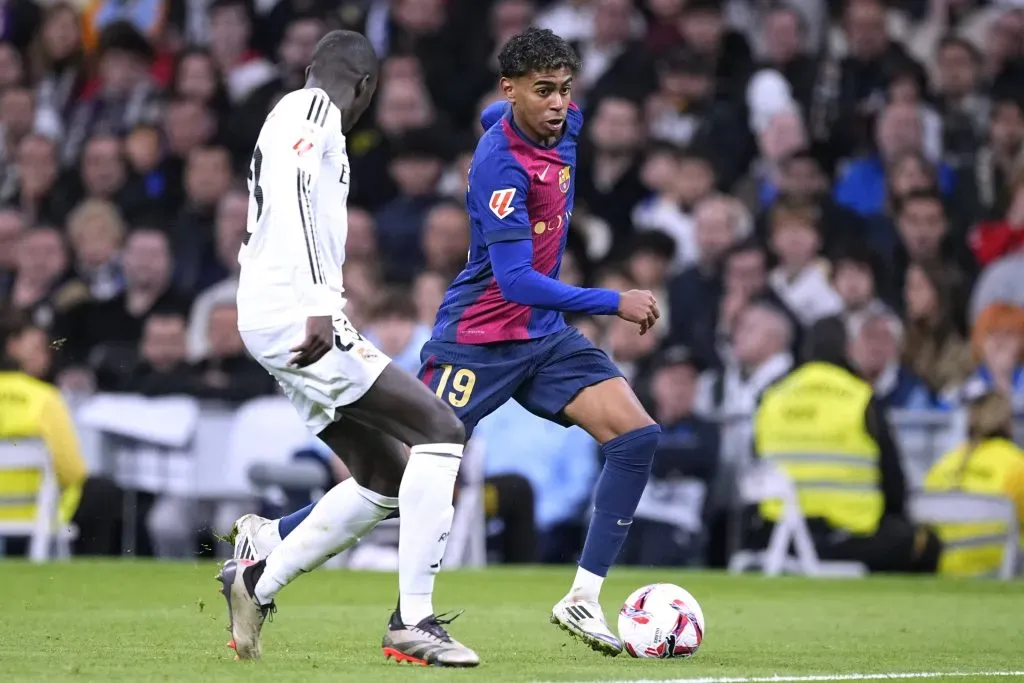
[[462, 383]]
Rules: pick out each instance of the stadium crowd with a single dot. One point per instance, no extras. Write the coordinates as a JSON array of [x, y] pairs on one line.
[[759, 165]]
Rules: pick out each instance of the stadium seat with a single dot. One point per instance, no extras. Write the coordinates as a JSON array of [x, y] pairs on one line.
[[27, 513], [958, 507], [762, 482]]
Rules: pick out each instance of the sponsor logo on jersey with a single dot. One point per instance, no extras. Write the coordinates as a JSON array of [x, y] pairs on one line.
[[563, 179], [501, 202]]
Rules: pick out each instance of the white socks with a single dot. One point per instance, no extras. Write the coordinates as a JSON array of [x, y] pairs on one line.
[[586, 585], [425, 509], [345, 513]]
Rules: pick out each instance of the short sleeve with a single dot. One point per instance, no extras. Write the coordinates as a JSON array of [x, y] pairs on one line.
[[493, 113], [497, 190]]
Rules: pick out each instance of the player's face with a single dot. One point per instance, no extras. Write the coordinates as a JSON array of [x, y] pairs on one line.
[[540, 101]]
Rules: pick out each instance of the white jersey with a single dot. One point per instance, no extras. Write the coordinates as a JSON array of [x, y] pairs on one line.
[[298, 189]]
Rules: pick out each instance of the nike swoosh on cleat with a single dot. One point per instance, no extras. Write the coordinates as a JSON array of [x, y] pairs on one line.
[[624, 522]]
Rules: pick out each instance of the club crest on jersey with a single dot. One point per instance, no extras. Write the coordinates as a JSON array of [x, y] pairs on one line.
[[563, 179], [501, 202]]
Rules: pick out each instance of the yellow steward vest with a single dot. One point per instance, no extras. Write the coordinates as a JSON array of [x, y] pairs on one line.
[[31, 409], [975, 549], [811, 425]]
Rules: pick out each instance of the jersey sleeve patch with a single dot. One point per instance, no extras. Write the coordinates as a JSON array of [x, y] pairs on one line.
[[501, 202]]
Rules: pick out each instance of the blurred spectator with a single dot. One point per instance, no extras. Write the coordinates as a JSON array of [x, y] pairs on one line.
[[854, 85], [445, 238], [910, 173], [678, 181], [899, 130], [988, 464], [609, 177], [719, 222], [96, 231], [12, 67], [876, 345], [207, 178], [962, 103], [852, 452], [34, 409], [37, 169], [101, 334], [744, 281], [726, 51], [999, 282], [648, 264], [989, 181], [162, 368], [20, 116], [415, 169], [998, 345], [758, 354], [402, 105], [122, 96], [683, 111], [924, 238], [41, 288], [56, 59], [802, 178], [30, 351], [663, 25], [428, 293], [196, 78], [394, 330], [362, 242], [669, 525], [241, 68], [221, 275], [614, 61], [12, 225], [855, 280], [227, 373], [991, 240], [935, 348], [801, 277], [788, 47]]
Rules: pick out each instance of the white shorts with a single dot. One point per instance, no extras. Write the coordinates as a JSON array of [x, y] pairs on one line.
[[317, 391]]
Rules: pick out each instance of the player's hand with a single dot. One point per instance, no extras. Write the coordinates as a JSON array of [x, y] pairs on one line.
[[639, 306], [319, 339]]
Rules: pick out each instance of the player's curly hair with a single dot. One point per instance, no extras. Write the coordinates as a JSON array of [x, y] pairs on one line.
[[536, 49]]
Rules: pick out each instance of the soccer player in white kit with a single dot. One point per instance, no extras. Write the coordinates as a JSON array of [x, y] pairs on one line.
[[401, 443]]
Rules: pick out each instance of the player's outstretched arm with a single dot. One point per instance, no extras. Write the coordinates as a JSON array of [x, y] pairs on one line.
[[520, 283], [497, 198]]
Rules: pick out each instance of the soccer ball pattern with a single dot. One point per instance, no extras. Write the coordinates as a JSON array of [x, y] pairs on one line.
[[661, 621]]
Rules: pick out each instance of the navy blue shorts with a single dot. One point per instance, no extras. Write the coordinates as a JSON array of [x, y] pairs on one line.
[[542, 375]]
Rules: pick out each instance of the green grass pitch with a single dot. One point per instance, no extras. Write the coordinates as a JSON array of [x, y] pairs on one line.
[[142, 621]]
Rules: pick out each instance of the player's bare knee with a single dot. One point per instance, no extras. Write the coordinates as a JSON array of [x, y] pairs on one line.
[[443, 426]]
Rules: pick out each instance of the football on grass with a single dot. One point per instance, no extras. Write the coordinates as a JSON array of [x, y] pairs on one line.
[[661, 621]]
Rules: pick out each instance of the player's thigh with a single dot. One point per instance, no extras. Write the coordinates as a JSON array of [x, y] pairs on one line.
[[320, 390], [374, 459], [578, 384], [473, 381]]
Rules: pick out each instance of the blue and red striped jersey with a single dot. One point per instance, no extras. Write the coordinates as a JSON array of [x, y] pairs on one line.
[[518, 190]]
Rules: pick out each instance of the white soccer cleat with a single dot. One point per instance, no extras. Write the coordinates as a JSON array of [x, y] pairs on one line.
[[584, 619], [246, 615], [254, 537]]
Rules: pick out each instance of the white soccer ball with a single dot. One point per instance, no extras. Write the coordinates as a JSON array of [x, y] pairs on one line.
[[660, 621]]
